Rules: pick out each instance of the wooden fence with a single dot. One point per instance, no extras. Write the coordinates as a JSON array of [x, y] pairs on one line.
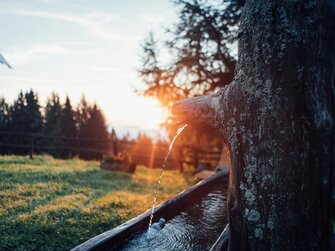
[[199, 156]]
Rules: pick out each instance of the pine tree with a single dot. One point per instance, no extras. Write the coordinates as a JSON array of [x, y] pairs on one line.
[[19, 123], [4, 119], [4, 114], [33, 113], [18, 116], [113, 141], [202, 47], [52, 127], [34, 118], [82, 114], [68, 126], [95, 134], [24, 117], [203, 52]]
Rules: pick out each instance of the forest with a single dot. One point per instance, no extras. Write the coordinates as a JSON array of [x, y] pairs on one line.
[[59, 129]]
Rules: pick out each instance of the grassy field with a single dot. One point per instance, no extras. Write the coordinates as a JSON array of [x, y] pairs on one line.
[[49, 204]]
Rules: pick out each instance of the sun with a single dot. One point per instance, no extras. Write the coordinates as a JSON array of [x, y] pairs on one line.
[[134, 111], [153, 113]]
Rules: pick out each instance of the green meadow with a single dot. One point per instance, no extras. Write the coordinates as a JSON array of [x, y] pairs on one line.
[[50, 204]]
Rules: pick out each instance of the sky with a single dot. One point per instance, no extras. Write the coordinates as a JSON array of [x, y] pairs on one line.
[[76, 47]]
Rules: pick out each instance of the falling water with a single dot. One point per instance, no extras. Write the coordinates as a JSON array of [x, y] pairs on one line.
[[162, 170]]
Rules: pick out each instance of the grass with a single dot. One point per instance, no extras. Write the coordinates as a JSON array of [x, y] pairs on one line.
[[49, 204]]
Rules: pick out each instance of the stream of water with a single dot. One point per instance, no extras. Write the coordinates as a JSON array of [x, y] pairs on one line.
[[162, 170]]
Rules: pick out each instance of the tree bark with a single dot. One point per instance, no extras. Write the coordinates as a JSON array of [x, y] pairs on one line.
[[277, 118]]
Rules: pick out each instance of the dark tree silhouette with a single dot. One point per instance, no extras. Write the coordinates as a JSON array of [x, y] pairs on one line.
[[18, 116], [33, 113], [113, 140], [4, 120], [82, 114], [94, 133], [61, 132], [202, 43], [4, 114], [203, 50], [69, 128], [34, 117], [52, 126], [25, 117]]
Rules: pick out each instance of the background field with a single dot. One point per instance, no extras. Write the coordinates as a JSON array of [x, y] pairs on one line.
[[49, 204]]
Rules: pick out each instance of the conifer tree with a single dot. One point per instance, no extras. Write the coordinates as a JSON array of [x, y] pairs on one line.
[[18, 116], [202, 46], [68, 127], [52, 127], [94, 133], [33, 113], [25, 118], [82, 114], [4, 119]]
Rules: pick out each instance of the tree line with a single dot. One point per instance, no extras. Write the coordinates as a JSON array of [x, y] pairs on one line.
[[59, 129]]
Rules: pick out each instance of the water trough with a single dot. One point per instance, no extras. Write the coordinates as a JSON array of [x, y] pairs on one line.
[[116, 238]]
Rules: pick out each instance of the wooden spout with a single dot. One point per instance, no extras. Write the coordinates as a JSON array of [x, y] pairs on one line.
[[198, 112]]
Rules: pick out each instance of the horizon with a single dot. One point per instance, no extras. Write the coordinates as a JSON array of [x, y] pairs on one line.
[[84, 48]]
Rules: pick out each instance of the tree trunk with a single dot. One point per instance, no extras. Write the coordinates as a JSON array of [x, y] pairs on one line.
[[277, 118]]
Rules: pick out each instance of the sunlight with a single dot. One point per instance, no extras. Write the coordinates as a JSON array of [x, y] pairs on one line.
[[151, 112], [139, 112]]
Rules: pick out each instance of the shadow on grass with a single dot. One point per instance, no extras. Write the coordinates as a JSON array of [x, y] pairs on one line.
[[61, 233], [92, 178], [40, 188]]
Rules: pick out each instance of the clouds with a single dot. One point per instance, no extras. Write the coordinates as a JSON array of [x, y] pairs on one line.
[[47, 1], [153, 18], [25, 56], [106, 69], [97, 22], [29, 80], [41, 51]]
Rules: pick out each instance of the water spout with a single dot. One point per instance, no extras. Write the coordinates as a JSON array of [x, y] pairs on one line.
[[161, 173], [199, 112]]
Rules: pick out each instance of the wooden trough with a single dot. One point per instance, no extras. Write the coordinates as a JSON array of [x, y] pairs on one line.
[[113, 238]]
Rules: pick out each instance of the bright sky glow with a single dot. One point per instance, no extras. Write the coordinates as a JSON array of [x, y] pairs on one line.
[[82, 47]]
